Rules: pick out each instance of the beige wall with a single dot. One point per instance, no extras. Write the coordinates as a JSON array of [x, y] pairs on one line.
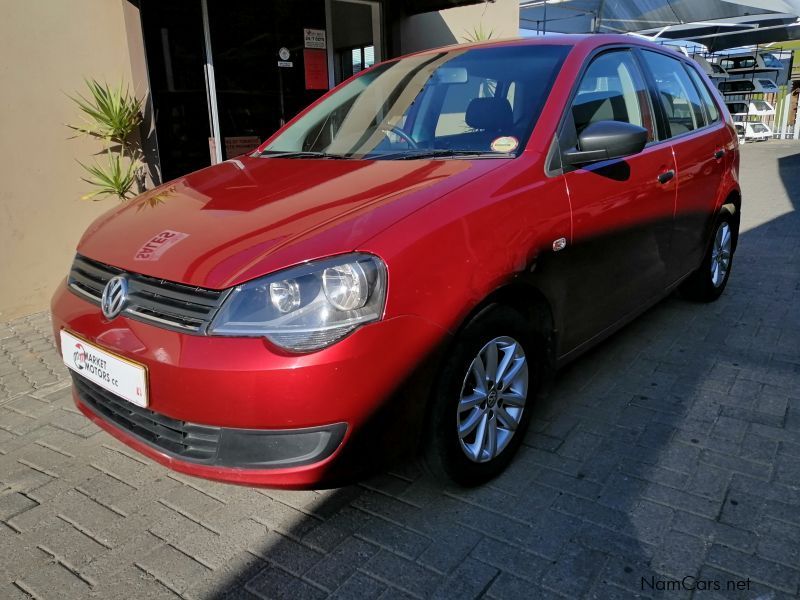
[[450, 26], [47, 48]]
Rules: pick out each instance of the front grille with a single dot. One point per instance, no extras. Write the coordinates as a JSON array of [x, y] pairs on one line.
[[172, 305], [190, 441]]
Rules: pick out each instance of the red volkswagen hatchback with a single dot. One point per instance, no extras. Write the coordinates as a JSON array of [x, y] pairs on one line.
[[401, 266]]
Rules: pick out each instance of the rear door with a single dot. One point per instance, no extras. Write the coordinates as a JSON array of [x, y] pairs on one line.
[[621, 211], [698, 137]]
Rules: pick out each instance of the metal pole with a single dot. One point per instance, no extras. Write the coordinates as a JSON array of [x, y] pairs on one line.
[[211, 86], [283, 110], [786, 102], [599, 18], [544, 25], [796, 119]]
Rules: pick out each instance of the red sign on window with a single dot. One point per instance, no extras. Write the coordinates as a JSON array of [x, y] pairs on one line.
[[315, 63]]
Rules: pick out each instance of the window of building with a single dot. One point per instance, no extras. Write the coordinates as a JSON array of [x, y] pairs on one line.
[[360, 58]]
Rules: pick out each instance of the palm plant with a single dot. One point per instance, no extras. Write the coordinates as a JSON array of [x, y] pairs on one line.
[[112, 179], [112, 115], [478, 34]]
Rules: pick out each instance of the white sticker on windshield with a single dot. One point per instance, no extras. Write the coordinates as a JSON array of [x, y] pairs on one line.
[[507, 143]]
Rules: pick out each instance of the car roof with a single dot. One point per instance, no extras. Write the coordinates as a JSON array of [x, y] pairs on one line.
[[583, 41]]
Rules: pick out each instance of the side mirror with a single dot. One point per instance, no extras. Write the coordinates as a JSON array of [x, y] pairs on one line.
[[604, 140]]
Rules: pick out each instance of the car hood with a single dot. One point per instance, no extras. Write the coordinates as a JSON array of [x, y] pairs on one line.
[[247, 217]]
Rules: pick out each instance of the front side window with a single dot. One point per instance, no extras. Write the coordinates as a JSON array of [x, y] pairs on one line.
[[705, 96], [678, 96], [612, 89], [459, 101]]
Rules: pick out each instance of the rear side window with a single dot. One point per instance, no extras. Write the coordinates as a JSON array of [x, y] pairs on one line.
[[705, 96], [612, 89], [678, 95]]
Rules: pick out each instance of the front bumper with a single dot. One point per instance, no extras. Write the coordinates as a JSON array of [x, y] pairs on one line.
[[343, 405]]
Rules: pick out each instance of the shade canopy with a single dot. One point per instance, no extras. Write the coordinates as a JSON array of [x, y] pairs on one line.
[[420, 6], [717, 24]]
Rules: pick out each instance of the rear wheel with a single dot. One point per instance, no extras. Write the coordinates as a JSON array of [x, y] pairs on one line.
[[482, 400], [709, 281]]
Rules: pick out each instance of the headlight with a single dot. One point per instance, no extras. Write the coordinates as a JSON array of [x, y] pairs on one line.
[[309, 306]]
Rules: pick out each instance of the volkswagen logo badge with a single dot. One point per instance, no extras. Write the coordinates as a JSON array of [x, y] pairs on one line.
[[115, 295]]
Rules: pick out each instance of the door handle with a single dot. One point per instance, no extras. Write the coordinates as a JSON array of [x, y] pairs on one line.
[[719, 154], [666, 176]]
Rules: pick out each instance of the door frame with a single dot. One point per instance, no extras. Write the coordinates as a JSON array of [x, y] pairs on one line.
[[377, 32], [211, 87]]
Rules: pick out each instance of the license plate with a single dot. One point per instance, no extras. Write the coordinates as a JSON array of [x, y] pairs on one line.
[[118, 375]]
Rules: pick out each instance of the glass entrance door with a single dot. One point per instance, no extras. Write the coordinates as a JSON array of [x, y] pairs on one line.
[[356, 27], [255, 95], [219, 77], [173, 34]]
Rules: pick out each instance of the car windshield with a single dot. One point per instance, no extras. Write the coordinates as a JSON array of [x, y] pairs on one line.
[[478, 102]]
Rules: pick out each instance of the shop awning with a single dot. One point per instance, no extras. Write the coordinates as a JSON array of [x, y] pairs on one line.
[[413, 7], [717, 24]]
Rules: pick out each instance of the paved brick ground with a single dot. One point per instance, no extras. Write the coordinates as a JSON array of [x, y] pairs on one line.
[[671, 450]]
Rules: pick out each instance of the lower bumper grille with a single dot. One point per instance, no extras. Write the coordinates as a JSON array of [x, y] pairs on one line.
[[205, 444], [193, 442]]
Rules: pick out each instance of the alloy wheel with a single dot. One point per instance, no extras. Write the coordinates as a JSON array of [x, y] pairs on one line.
[[492, 400], [721, 255]]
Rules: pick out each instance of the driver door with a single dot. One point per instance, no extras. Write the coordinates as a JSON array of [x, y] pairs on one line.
[[622, 209]]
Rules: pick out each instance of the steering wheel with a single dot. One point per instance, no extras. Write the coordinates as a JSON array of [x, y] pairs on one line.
[[401, 134]]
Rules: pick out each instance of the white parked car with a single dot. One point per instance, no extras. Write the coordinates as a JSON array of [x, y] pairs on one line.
[[753, 132]]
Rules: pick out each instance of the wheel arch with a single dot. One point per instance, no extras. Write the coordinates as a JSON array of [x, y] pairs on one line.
[[528, 300], [732, 208]]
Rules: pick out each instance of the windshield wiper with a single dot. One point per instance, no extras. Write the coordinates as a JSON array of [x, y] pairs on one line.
[[300, 154], [444, 153]]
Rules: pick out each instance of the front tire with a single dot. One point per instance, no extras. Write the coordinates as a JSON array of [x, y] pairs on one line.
[[483, 398], [709, 281]]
